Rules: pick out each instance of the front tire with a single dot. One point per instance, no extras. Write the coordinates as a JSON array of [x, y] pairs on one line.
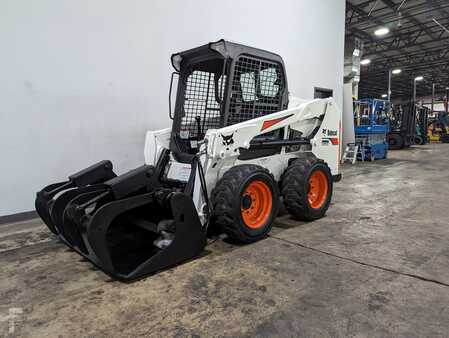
[[307, 189], [245, 202]]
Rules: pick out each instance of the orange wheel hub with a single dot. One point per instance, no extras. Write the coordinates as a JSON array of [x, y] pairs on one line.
[[256, 204], [318, 189]]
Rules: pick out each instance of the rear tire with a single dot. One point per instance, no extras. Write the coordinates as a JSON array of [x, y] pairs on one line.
[[245, 202], [395, 142], [306, 187]]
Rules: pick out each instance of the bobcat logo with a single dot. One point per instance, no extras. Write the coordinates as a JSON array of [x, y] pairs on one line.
[[330, 132], [227, 140]]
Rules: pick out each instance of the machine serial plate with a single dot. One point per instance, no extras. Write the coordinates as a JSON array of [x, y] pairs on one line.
[[179, 171]]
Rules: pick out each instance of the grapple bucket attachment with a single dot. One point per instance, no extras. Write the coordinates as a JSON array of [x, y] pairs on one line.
[[129, 226]]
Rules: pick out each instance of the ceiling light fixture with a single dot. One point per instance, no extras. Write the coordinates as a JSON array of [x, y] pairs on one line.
[[365, 62], [396, 71], [419, 78], [381, 31], [384, 96]]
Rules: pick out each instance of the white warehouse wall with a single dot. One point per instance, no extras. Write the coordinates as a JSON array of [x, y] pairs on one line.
[[82, 80]]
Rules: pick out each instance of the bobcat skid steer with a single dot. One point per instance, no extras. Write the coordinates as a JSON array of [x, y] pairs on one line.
[[238, 145]]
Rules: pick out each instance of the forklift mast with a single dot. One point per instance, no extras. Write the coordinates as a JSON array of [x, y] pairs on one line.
[[403, 126]]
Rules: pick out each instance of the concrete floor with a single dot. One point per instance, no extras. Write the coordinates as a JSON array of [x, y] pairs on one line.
[[376, 266]]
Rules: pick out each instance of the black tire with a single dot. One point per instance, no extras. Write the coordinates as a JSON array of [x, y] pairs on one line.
[[229, 198], [395, 142], [337, 178], [295, 188], [444, 138], [418, 140]]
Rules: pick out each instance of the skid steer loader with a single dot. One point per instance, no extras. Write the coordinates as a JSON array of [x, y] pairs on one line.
[[237, 146]]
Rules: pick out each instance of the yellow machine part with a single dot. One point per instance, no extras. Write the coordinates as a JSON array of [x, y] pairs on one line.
[[434, 133], [433, 138]]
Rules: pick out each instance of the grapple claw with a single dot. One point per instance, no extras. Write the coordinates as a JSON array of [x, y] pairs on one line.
[[128, 226]]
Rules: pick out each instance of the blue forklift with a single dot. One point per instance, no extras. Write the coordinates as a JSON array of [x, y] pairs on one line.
[[371, 126]]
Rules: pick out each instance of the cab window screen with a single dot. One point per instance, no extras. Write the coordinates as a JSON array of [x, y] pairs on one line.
[[256, 91]]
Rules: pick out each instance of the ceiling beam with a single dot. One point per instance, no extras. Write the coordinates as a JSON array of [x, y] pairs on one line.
[[412, 12], [410, 45], [412, 18], [418, 46]]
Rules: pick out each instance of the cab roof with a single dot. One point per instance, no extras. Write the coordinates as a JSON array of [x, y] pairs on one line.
[[221, 49]]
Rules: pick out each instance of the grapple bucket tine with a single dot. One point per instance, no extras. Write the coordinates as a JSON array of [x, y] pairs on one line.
[[43, 210], [64, 202], [44, 202]]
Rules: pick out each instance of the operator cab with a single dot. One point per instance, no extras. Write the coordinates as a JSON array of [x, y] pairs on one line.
[[220, 84]]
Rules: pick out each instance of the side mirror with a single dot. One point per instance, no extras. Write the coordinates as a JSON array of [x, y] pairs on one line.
[[170, 93]]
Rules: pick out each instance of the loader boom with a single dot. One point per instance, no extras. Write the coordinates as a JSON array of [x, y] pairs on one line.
[[304, 119]]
